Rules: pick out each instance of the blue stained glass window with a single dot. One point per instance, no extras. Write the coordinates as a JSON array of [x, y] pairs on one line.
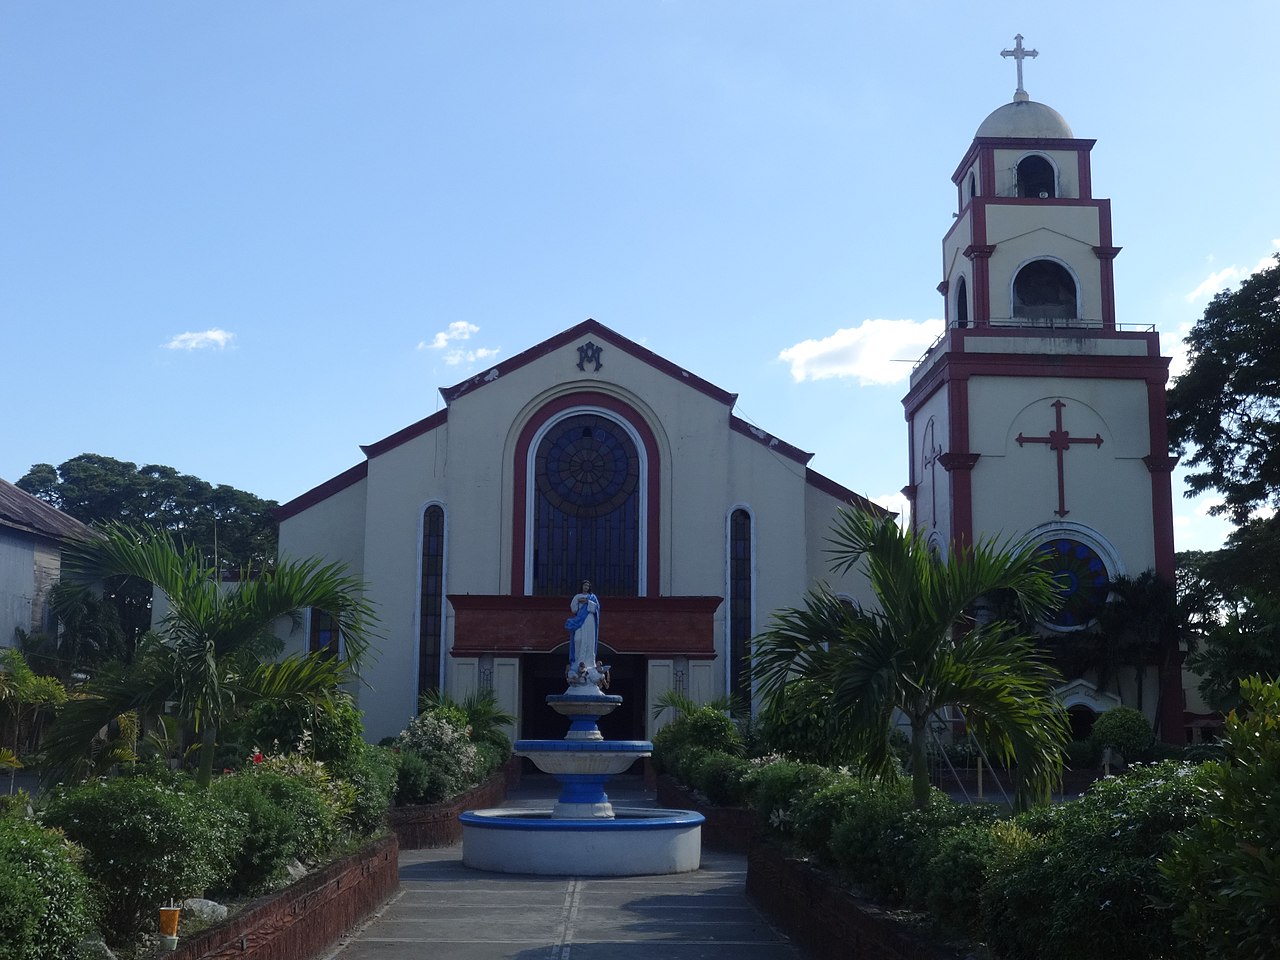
[[587, 508], [1082, 581], [431, 614]]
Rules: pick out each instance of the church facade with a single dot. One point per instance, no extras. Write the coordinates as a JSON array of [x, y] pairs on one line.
[[585, 458], [1037, 413]]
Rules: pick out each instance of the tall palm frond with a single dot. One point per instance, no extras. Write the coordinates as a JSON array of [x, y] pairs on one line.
[[926, 649]]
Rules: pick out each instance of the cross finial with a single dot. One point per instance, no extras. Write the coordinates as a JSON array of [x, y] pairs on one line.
[[1019, 54]]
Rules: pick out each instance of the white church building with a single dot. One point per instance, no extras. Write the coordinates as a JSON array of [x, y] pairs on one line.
[[586, 457], [589, 457]]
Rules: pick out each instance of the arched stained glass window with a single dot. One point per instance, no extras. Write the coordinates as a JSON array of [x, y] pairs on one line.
[[587, 482], [431, 613], [1081, 579], [740, 601]]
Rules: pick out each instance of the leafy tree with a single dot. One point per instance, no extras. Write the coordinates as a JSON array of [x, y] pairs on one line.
[[1246, 644], [96, 489], [1225, 866], [206, 656], [1226, 405], [924, 651], [1143, 621]]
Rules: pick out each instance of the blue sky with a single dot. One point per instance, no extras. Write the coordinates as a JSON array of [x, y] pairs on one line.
[[243, 238]]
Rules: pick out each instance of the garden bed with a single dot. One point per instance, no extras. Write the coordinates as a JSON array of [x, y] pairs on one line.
[[810, 906], [423, 826], [297, 922], [731, 829]]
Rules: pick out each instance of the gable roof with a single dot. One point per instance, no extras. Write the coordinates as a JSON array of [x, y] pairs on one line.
[[21, 511], [586, 328], [598, 331]]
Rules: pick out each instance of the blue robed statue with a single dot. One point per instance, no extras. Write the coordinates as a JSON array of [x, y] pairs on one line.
[[585, 667]]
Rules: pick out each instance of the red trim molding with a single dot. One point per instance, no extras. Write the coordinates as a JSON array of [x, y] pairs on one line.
[[520, 478], [738, 425], [842, 493], [588, 328], [653, 626], [425, 425], [322, 492]]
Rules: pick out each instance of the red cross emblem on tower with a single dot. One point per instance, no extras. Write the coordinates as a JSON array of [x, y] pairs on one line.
[[1059, 442]]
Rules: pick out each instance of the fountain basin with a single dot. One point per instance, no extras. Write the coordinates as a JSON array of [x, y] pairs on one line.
[[637, 841]]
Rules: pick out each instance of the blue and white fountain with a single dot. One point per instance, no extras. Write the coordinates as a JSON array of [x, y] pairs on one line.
[[583, 834]]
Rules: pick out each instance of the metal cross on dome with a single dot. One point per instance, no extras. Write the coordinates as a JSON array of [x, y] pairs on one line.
[[1019, 54], [1059, 442]]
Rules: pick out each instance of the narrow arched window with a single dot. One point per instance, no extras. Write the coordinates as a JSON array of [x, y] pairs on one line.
[[324, 636], [740, 604], [1044, 290], [1036, 178], [586, 524], [962, 304], [431, 612], [973, 185]]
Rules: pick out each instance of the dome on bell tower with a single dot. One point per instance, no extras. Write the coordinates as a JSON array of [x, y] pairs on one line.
[[1025, 120]]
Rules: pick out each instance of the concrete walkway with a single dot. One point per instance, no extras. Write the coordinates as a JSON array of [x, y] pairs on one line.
[[446, 910]]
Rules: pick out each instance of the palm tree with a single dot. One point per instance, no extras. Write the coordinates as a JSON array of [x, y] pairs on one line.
[[205, 657], [924, 650]]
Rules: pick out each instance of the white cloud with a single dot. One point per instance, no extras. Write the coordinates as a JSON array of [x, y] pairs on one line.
[[1176, 350], [1229, 277], [877, 352], [217, 339], [898, 504], [458, 330], [456, 357]]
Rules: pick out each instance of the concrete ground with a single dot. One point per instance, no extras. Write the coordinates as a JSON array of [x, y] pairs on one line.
[[445, 910]]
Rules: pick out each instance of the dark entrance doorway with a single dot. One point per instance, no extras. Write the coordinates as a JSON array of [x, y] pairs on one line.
[[543, 674], [1081, 718]]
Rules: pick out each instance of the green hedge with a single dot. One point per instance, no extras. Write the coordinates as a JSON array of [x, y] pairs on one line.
[[146, 843], [46, 907]]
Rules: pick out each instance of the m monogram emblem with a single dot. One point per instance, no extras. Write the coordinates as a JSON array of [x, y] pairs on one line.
[[589, 353]]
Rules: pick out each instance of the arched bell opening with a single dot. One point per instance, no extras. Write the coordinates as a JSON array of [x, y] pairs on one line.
[[1036, 178]]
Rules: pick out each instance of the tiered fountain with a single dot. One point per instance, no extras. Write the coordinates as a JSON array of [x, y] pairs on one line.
[[583, 834]]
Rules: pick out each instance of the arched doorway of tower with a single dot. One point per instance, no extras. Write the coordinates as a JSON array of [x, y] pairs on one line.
[[542, 674]]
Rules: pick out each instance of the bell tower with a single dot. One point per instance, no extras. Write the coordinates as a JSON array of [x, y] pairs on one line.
[[1036, 413]]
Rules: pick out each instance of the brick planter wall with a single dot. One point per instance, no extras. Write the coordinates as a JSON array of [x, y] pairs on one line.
[[436, 824], [304, 918], [730, 829], [808, 904]]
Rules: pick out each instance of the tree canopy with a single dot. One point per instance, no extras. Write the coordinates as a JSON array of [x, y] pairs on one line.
[[98, 490], [1226, 406]]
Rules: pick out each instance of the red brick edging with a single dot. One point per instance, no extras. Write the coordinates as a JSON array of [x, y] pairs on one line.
[[436, 825], [305, 917], [810, 906], [731, 829]]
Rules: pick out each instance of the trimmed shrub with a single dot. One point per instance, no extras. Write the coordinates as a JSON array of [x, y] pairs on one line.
[[446, 748], [719, 777], [268, 835], [146, 843], [907, 849], [419, 781], [791, 726], [490, 757], [330, 732], [45, 904], [777, 789], [1125, 731], [816, 815], [857, 839], [337, 795], [372, 775], [964, 859], [705, 729], [1224, 866], [1087, 884], [1080, 755]]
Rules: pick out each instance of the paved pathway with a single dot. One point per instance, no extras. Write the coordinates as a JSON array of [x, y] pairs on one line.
[[445, 910]]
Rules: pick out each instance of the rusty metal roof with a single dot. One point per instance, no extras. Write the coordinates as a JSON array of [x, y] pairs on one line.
[[21, 511]]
